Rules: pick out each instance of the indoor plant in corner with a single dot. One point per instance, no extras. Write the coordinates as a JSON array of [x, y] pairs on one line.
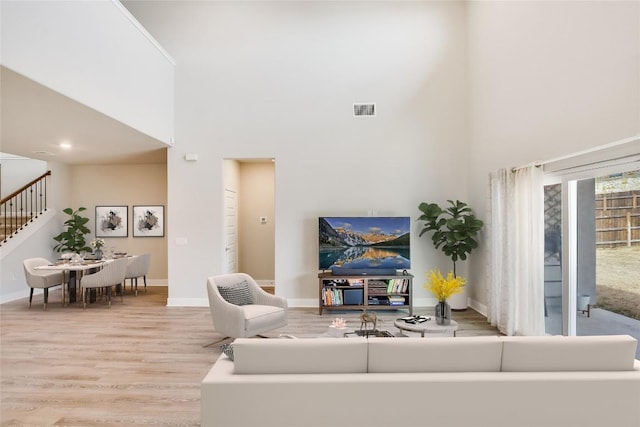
[[454, 228], [72, 239]]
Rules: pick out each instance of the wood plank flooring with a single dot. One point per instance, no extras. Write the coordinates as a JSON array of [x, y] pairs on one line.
[[138, 363]]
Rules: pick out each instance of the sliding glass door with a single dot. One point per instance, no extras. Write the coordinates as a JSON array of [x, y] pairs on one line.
[[592, 253], [553, 258]]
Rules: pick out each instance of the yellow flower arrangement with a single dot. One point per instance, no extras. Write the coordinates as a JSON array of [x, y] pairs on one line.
[[443, 288]]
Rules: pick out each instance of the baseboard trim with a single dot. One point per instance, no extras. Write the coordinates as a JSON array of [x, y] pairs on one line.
[[154, 282], [479, 307], [187, 302]]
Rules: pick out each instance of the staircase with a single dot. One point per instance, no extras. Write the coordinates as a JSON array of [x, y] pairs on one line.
[[11, 225], [21, 207]]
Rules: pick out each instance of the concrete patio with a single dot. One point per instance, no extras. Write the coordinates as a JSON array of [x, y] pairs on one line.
[[600, 322]]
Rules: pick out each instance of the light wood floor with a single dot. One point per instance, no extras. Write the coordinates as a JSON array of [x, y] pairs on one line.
[[138, 363]]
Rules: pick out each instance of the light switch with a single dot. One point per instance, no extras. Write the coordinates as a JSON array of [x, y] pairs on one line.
[[263, 220]]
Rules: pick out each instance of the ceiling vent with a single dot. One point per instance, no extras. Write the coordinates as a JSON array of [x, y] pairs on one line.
[[364, 110], [43, 153]]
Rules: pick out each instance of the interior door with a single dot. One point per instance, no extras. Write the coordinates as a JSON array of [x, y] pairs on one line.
[[230, 231]]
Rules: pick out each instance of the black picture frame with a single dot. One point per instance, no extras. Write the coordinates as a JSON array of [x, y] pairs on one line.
[[148, 221], [112, 221]]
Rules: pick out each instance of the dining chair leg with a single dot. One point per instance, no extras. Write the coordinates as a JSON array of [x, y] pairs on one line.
[[64, 299], [135, 279], [83, 295], [30, 297], [46, 298], [108, 290], [145, 282]]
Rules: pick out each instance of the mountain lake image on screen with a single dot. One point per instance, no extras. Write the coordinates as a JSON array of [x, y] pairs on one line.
[[364, 244]]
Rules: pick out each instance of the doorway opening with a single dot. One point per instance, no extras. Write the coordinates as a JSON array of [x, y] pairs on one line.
[[249, 219]]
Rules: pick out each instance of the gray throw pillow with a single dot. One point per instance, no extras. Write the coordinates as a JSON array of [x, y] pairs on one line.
[[237, 294], [228, 350]]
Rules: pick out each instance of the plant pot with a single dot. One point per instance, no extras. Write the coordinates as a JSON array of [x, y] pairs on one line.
[[583, 302], [459, 301], [443, 313]]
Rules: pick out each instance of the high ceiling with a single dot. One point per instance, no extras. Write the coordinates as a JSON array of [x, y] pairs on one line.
[[35, 120]]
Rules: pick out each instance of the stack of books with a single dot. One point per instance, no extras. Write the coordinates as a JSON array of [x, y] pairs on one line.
[[377, 287], [396, 300]]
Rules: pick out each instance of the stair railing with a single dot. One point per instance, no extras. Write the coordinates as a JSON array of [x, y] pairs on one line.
[[22, 206]]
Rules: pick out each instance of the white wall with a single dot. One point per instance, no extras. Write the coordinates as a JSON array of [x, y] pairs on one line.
[[547, 79], [96, 54], [279, 79], [16, 171], [461, 89]]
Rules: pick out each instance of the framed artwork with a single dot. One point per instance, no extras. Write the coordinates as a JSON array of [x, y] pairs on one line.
[[111, 221], [148, 221]]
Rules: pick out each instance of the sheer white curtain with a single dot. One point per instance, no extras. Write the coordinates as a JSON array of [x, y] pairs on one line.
[[516, 248]]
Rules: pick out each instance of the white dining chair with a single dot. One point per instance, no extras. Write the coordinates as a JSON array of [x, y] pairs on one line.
[[138, 266], [112, 274], [41, 279]]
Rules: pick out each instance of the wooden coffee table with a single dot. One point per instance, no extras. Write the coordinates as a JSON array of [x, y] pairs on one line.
[[429, 327]]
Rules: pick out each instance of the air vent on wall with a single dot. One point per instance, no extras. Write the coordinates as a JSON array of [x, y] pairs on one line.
[[364, 110]]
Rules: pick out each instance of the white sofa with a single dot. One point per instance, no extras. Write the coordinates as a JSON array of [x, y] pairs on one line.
[[465, 381]]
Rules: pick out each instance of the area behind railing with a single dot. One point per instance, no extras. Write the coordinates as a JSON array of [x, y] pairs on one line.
[[21, 207]]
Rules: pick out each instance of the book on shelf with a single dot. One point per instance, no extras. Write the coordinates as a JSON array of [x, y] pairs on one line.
[[397, 286], [378, 301], [332, 296], [396, 300]]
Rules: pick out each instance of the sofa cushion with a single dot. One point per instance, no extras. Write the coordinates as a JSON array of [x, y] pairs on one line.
[[263, 317], [238, 294], [303, 356], [562, 353], [461, 354]]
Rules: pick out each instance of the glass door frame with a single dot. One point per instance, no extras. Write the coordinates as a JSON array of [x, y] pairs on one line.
[[569, 179]]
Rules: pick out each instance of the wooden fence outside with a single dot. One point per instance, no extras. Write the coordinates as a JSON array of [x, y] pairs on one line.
[[618, 219]]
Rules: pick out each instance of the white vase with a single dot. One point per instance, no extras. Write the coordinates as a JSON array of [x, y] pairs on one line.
[[337, 332]]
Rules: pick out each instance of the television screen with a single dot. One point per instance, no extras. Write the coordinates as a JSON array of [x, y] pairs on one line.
[[364, 244]]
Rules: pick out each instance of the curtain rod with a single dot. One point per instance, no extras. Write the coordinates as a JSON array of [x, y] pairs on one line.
[[580, 153]]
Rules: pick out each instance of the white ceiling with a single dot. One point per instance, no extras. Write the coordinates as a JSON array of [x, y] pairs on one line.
[[34, 120]]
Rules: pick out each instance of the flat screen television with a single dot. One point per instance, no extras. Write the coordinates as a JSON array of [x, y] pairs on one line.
[[364, 245]]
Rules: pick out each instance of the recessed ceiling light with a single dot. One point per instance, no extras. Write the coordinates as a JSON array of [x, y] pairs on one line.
[[65, 145]]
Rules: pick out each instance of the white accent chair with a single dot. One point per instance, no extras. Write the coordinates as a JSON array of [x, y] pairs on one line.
[[138, 266], [112, 274], [263, 312], [41, 279]]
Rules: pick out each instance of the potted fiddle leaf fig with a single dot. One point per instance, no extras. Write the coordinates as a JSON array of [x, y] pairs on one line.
[[72, 239], [455, 228]]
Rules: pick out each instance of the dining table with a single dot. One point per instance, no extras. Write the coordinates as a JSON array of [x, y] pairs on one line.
[[72, 273]]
